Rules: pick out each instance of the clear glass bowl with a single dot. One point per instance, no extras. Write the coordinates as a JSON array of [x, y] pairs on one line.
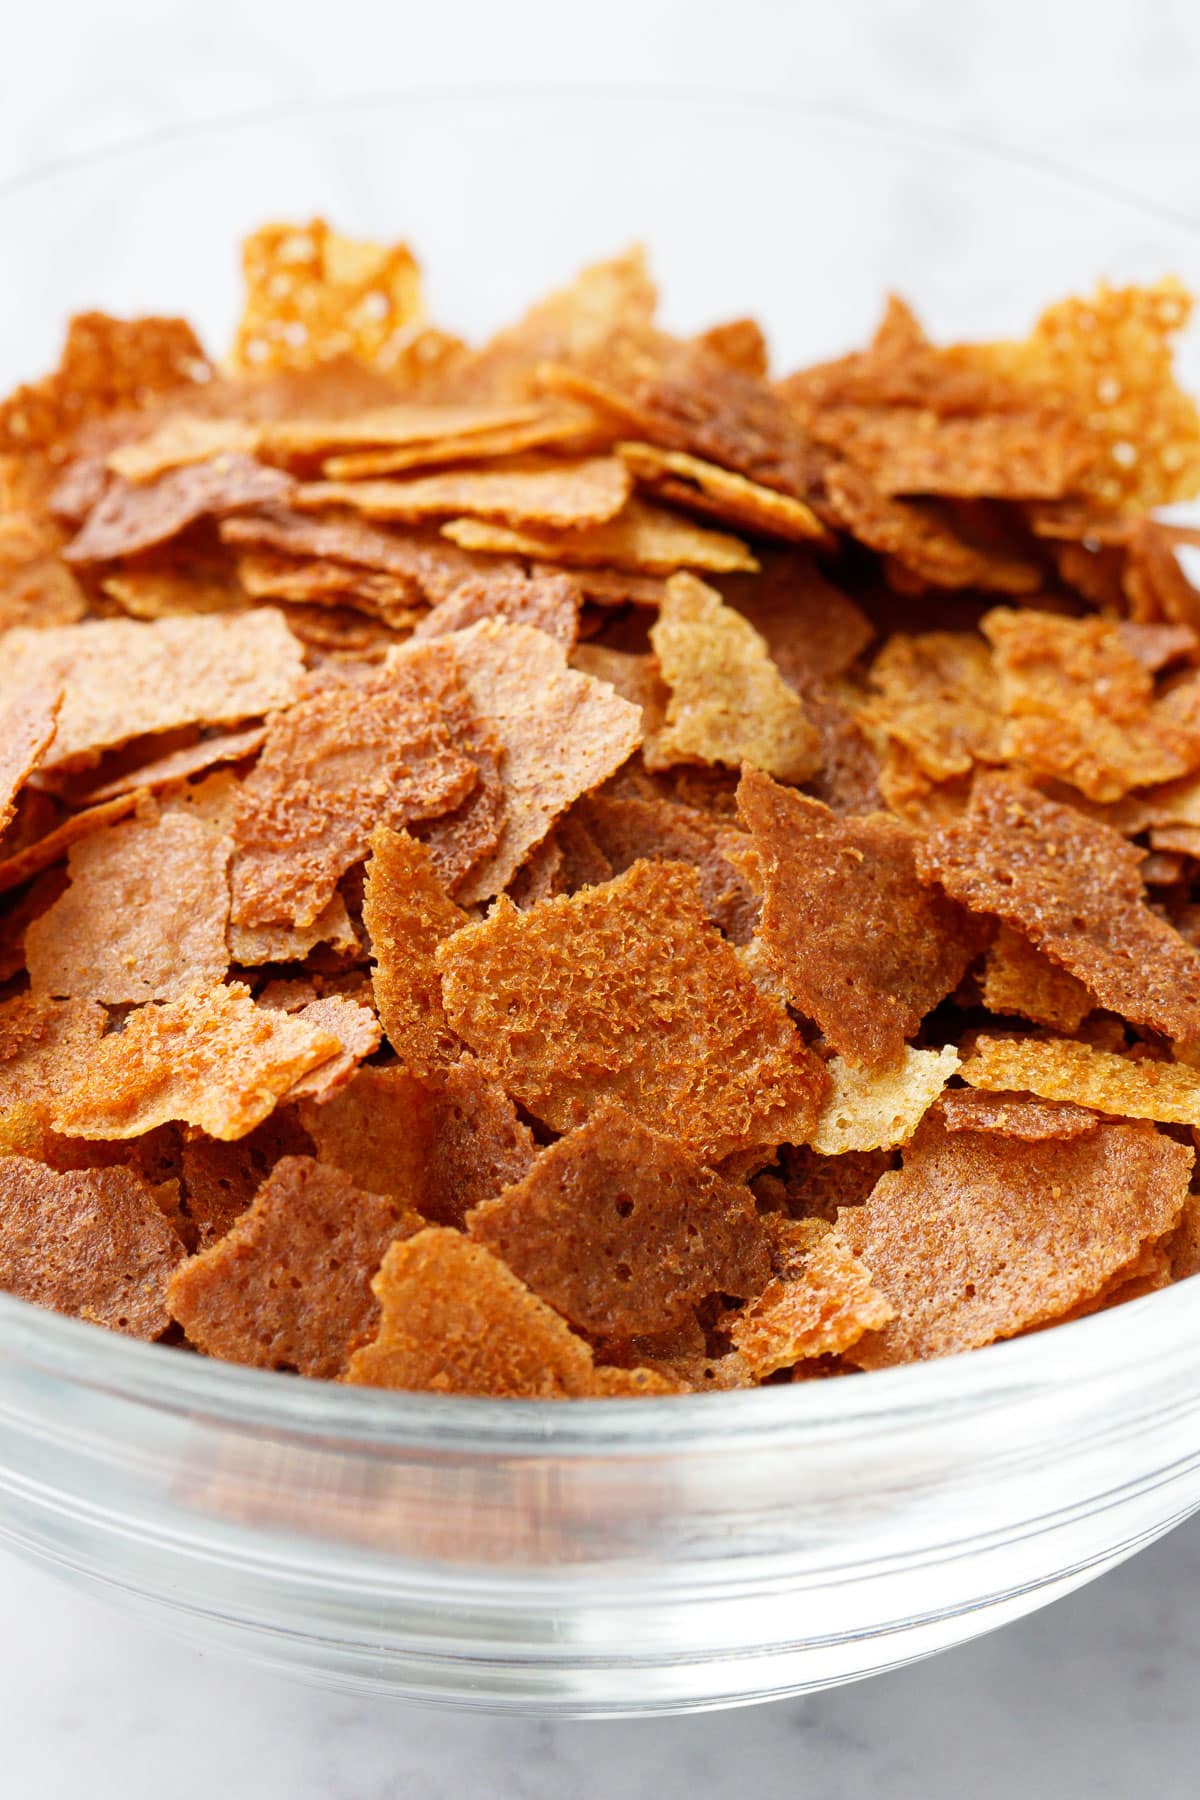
[[634, 1556]]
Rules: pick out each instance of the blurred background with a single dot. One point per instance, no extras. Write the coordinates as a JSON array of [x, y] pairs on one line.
[[1090, 1700]]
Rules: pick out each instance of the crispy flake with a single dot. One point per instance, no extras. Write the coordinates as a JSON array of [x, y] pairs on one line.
[[550, 603], [688, 481], [813, 631], [27, 726], [124, 679], [178, 765], [642, 538], [553, 495], [289, 1285], [925, 538], [622, 1231], [981, 1236], [269, 575], [728, 701], [334, 767], [625, 992], [457, 1321], [820, 1304], [870, 1110], [253, 945], [221, 1179], [1064, 1069], [357, 1030], [1014, 1115], [433, 566], [1000, 455], [1081, 707], [312, 295], [442, 1143], [107, 365], [570, 428], [213, 1060], [562, 734], [1073, 887], [128, 519], [45, 1047], [143, 919], [407, 914], [44, 852], [90, 1242], [1019, 978], [1107, 360], [627, 829], [938, 696], [174, 591], [860, 944]]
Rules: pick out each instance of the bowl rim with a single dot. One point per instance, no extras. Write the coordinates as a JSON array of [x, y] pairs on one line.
[[1134, 1338]]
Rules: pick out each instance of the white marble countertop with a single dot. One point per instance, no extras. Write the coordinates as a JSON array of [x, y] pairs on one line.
[[1092, 1699]]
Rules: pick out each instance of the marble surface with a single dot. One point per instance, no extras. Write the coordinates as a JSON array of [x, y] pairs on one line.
[[1091, 1700]]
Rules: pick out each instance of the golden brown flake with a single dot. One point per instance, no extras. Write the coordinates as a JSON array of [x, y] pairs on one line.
[[622, 1232], [553, 494], [926, 538], [143, 919], [91, 1242], [1064, 1069], [27, 726], [213, 1060], [1019, 978], [407, 914], [869, 1109], [643, 538], [312, 295], [548, 602], [625, 992], [728, 702], [1014, 1115], [819, 1304], [859, 943], [980, 1236], [289, 1285]]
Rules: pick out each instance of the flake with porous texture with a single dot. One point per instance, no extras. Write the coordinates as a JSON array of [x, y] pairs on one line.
[[178, 765], [143, 919], [564, 325], [93, 1243], [456, 1320], [859, 943], [567, 428], [818, 1304], [937, 694], [627, 830], [106, 366], [1019, 978], [221, 1179], [407, 914], [1064, 1069], [335, 766], [1081, 707], [625, 992], [869, 1110], [397, 600], [253, 945], [213, 1059], [634, 677], [289, 1285], [467, 837], [817, 1185], [1014, 1115], [1106, 357], [980, 1236], [548, 602], [125, 679], [312, 295], [1000, 455], [704, 487], [357, 1030], [621, 1231], [1073, 887], [44, 852], [812, 630], [554, 494], [128, 519], [728, 702], [46, 1046], [27, 725], [443, 1143], [925, 538], [433, 567], [644, 538], [562, 734], [179, 586]]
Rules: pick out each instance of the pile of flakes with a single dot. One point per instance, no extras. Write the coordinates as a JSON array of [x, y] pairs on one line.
[[573, 867]]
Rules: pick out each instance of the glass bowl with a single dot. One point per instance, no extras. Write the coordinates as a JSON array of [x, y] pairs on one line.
[[625, 1556]]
